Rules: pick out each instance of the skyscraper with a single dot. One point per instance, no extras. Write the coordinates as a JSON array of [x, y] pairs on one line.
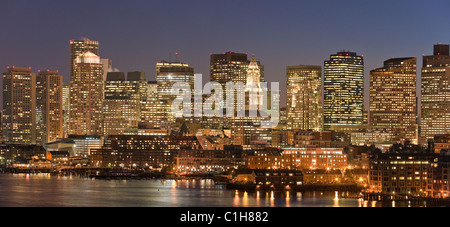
[[19, 106], [231, 67], [167, 75], [121, 106], [79, 47], [86, 96], [393, 103], [49, 107], [435, 94], [304, 98], [344, 90]]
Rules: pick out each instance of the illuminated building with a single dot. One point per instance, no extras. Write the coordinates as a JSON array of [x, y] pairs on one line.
[[207, 161], [66, 108], [85, 143], [136, 142], [369, 138], [121, 105], [19, 106], [79, 47], [265, 159], [49, 106], [232, 67], [112, 158], [86, 96], [438, 182], [314, 158], [393, 103], [343, 90], [265, 179], [167, 75], [152, 109], [435, 94], [441, 143], [400, 173], [304, 98]]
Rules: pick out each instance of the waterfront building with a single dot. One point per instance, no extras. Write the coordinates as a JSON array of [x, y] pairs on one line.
[[86, 96], [268, 178], [315, 158], [435, 96], [208, 161], [19, 106], [85, 143], [344, 90], [265, 159], [119, 158], [393, 100], [400, 172], [438, 182], [49, 107], [304, 98], [135, 142]]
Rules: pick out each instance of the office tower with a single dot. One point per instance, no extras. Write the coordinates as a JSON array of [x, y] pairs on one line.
[[121, 106], [86, 96], [152, 109], [66, 101], [79, 47], [435, 94], [19, 106], [231, 67], [304, 97], [393, 107], [343, 90], [167, 75], [49, 107]]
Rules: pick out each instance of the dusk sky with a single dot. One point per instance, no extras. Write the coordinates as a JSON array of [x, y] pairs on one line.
[[136, 34]]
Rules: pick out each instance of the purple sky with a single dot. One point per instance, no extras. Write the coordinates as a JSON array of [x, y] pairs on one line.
[[135, 33]]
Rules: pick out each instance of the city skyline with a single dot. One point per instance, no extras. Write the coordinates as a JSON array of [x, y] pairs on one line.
[[296, 40]]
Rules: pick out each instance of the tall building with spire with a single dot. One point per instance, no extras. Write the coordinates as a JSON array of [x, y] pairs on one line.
[[49, 106], [393, 100], [435, 94], [304, 97], [86, 96], [344, 89], [19, 106]]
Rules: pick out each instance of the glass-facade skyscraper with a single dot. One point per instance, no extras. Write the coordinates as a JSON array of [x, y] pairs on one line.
[[304, 97], [344, 90]]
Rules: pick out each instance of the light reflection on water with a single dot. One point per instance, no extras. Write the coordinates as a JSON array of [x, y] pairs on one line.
[[44, 190]]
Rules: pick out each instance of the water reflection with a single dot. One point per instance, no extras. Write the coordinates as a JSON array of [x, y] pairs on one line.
[[47, 190]]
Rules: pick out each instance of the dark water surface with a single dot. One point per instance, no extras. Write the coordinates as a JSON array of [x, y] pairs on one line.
[[51, 191]]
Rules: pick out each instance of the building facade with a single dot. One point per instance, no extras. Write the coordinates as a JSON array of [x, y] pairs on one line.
[[304, 98], [49, 107], [86, 96], [435, 98], [393, 100], [344, 90], [19, 106]]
